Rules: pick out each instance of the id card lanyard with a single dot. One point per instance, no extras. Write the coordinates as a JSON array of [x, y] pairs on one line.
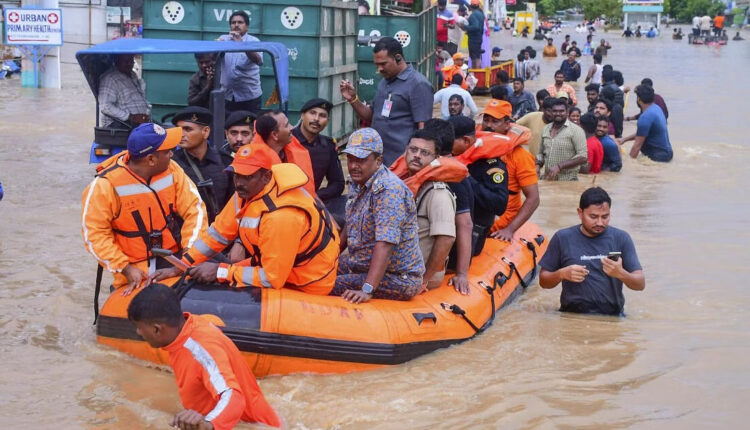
[[387, 105]]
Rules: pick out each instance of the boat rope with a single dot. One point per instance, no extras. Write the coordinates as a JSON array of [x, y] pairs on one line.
[[531, 248], [514, 269], [181, 287], [97, 289], [458, 311]]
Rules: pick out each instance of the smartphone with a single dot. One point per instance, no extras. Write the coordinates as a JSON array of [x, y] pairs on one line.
[[614, 255]]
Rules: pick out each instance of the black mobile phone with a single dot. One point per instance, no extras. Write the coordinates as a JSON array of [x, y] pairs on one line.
[[614, 255]]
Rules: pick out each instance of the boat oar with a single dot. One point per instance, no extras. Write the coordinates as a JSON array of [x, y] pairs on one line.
[[167, 255]]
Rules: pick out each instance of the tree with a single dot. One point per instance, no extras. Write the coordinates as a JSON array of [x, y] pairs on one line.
[[611, 9]]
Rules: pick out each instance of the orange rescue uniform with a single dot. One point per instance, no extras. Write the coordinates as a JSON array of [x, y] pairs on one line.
[[120, 210], [296, 154], [291, 239], [213, 378], [448, 73], [521, 168]]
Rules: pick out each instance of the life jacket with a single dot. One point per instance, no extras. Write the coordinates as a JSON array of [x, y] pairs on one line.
[[322, 237], [147, 216], [494, 145], [295, 154], [441, 169], [448, 73]]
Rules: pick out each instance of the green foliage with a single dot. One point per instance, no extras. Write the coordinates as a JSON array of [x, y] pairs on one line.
[[685, 10], [611, 9]]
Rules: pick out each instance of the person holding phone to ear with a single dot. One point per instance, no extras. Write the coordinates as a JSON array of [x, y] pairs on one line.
[[592, 260]]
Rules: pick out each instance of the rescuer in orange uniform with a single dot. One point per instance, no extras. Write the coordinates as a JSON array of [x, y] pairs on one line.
[[274, 130], [449, 71], [217, 388], [291, 239], [521, 170], [140, 199]]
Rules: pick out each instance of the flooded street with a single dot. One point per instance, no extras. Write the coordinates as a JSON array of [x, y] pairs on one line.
[[678, 360]]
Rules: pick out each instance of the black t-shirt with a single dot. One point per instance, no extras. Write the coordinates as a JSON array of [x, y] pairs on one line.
[[598, 293], [464, 196], [325, 163]]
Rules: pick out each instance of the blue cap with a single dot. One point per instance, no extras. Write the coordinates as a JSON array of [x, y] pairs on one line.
[[149, 137], [364, 142]]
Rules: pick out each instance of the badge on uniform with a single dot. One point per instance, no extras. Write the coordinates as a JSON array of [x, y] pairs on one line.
[[498, 175], [387, 105]]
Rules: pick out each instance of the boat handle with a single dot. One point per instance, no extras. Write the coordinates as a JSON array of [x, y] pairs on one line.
[[419, 316]]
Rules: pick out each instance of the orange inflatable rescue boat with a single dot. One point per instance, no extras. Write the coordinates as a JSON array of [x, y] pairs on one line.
[[286, 331]]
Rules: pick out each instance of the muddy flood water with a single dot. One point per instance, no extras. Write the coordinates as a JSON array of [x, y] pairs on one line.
[[678, 360]]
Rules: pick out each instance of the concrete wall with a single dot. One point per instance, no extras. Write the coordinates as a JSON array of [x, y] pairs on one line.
[[83, 25]]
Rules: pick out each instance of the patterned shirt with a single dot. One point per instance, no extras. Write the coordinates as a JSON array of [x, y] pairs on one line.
[[240, 76], [120, 96], [568, 143], [383, 210], [565, 88]]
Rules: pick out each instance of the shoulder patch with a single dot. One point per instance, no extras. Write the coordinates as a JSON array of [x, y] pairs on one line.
[[497, 174], [440, 186]]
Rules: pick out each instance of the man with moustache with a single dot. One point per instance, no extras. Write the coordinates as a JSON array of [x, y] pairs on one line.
[[402, 103], [240, 72], [200, 161], [592, 260], [238, 132], [290, 237], [426, 167], [383, 259], [322, 149], [563, 148]]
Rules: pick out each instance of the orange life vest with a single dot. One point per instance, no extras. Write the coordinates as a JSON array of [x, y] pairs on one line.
[[147, 215], [296, 154], [317, 254], [494, 145], [443, 169], [448, 73]]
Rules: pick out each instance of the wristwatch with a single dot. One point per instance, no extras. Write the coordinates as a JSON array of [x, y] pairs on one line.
[[367, 288]]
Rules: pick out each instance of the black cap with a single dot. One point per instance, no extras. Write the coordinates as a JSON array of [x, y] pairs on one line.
[[195, 114], [240, 117], [462, 125], [318, 102]]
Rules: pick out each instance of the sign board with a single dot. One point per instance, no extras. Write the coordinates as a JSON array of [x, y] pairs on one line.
[[114, 12], [33, 26]]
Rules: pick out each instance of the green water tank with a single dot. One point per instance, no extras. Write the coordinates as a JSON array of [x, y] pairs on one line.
[[320, 36], [417, 34]]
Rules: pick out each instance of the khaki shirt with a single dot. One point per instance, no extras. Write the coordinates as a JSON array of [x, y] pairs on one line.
[[436, 216]]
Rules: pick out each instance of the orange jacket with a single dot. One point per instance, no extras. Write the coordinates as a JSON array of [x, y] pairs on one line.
[[295, 154], [443, 169], [120, 210], [494, 145], [213, 378], [290, 237], [448, 73]]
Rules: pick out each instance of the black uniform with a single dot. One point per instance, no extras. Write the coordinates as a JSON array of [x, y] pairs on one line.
[[489, 182], [214, 184], [325, 164]]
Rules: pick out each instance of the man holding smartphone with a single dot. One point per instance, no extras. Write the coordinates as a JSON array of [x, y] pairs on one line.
[[592, 260]]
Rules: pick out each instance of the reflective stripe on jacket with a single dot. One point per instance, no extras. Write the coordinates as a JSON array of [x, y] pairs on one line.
[[290, 237], [120, 210]]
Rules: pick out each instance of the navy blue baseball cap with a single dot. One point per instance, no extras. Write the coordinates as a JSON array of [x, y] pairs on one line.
[[148, 138]]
